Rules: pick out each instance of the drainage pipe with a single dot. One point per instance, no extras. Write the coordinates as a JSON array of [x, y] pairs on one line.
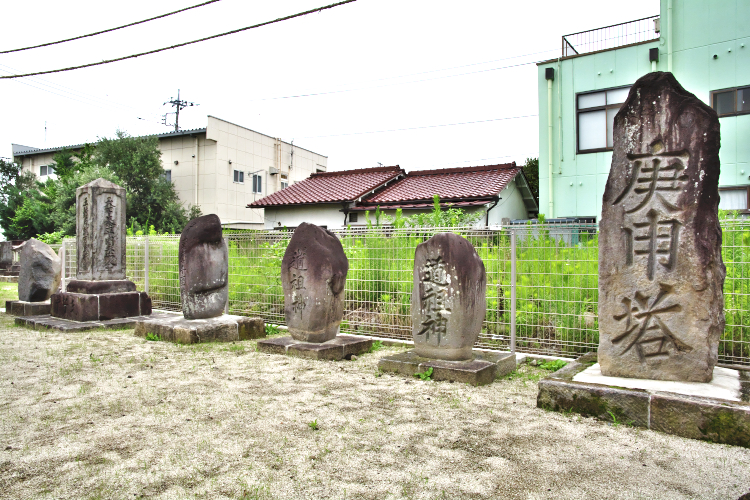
[[549, 146], [669, 35]]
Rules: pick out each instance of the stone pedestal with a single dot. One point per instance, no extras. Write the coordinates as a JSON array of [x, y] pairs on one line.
[[336, 349], [718, 411], [225, 328], [99, 306], [22, 308], [482, 369]]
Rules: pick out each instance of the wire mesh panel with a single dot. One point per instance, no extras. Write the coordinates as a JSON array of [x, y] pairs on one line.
[[163, 268], [734, 347]]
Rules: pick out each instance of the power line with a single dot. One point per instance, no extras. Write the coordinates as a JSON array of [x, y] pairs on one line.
[[108, 30], [422, 127], [285, 18]]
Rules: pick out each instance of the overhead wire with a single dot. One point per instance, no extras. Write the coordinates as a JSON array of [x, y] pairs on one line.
[[232, 32], [108, 30]]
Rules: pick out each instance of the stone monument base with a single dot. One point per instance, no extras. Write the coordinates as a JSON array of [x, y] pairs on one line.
[[23, 308], [717, 411], [99, 306], [336, 349], [225, 328], [483, 369], [66, 325]]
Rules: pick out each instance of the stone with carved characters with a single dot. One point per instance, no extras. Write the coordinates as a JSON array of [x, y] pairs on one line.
[[448, 302], [313, 276], [204, 266], [661, 306], [40, 272]]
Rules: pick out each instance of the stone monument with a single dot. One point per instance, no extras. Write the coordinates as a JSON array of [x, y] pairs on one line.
[[6, 257], [204, 291], [100, 290], [448, 306], [313, 277], [38, 279], [661, 306]]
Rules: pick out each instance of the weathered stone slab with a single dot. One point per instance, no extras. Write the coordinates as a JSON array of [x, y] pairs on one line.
[[75, 306], [104, 286], [99, 307], [251, 328], [343, 346], [22, 308], [313, 276], [66, 325], [176, 328], [482, 369], [6, 254], [100, 226], [40, 272], [204, 267], [448, 302], [660, 268]]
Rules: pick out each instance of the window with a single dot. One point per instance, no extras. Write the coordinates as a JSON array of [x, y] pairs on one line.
[[353, 217], [168, 175], [730, 102], [239, 176], [46, 170], [596, 117], [284, 181], [257, 183], [734, 198]]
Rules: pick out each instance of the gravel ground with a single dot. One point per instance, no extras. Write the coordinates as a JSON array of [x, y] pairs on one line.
[[108, 415]]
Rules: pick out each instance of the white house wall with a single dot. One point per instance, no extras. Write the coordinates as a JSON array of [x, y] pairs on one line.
[[324, 214]]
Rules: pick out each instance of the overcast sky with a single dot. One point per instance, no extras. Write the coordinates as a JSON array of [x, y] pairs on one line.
[[380, 64]]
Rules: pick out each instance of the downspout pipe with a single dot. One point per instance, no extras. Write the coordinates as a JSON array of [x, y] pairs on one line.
[[669, 35], [549, 74], [487, 215]]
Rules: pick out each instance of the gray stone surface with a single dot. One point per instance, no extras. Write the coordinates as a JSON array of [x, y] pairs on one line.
[[448, 302], [6, 254], [313, 276], [341, 347], [226, 328], [482, 369], [660, 268], [66, 325], [40, 272], [100, 230], [204, 267], [22, 308], [103, 286]]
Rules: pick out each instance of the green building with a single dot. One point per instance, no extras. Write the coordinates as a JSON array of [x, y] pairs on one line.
[[705, 43]]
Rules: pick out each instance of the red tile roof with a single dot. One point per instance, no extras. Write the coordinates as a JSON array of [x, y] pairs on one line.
[[331, 187], [451, 184]]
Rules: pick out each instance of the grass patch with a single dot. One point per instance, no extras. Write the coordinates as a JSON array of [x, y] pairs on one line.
[[425, 375], [152, 337], [553, 365]]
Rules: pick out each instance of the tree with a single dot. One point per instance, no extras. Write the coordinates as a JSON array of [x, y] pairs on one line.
[[23, 207], [531, 171], [64, 206]]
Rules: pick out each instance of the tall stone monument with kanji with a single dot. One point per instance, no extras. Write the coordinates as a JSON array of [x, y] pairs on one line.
[[100, 290], [661, 306]]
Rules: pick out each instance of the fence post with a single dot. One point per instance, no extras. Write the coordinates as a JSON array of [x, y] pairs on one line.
[[62, 259], [513, 291], [226, 306], [145, 265]]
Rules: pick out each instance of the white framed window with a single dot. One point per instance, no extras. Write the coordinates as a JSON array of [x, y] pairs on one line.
[[284, 181], [257, 183], [168, 175], [239, 176], [734, 198], [45, 170], [595, 112]]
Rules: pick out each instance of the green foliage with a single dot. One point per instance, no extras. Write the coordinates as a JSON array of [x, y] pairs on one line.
[[272, 330], [54, 238], [553, 365], [313, 425], [152, 337], [531, 172], [376, 346], [425, 375], [438, 217]]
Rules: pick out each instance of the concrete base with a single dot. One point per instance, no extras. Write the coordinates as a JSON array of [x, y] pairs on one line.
[[692, 410], [340, 347], [225, 328], [22, 308], [66, 325], [483, 369], [99, 307]]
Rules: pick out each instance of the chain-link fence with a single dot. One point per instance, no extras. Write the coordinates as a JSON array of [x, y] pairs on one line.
[[542, 282]]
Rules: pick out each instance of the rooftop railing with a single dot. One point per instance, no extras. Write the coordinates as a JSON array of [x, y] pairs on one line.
[[611, 37]]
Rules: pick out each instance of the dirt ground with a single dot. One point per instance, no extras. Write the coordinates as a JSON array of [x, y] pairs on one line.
[[108, 415]]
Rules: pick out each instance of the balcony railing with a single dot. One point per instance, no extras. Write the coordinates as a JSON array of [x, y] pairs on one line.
[[610, 37]]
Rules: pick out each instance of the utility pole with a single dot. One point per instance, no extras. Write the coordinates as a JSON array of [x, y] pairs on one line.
[[178, 105]]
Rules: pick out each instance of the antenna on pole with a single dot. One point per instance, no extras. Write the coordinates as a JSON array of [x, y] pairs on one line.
[[178, 105]]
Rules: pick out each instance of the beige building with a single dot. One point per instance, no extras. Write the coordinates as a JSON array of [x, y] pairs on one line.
[[221, 168]]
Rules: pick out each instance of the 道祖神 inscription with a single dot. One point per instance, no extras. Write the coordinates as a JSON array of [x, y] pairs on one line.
[[449, 297], [660, 268], [100, 229], [313, 276]]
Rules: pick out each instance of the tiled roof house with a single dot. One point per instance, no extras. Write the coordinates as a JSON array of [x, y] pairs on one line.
[[334, 199]]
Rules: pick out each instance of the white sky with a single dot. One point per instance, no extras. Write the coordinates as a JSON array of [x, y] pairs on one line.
[[371, 46]]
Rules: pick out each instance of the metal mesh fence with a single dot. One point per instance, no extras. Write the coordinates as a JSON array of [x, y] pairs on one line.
[[542, 282]]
